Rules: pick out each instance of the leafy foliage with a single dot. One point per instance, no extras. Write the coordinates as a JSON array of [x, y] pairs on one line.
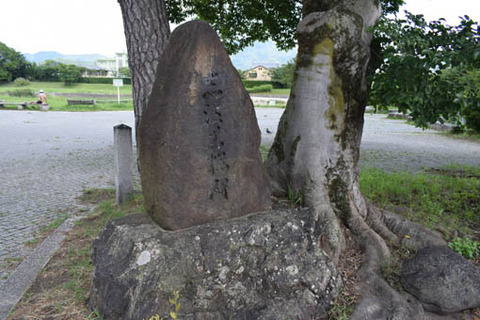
[[425, 68], [284, 74], [242, 22], [124, 72], [21, 82], [47, 71], [465, 84], [466, 247], [69, 74], [19, 93], [12, 64]]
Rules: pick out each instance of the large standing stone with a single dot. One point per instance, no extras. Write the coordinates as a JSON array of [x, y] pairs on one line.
[[199, 137], [444, 281], [261, 266]]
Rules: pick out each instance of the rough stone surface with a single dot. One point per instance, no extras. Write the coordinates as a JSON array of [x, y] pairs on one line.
[[261, 266], [442, 280], [199, 137]]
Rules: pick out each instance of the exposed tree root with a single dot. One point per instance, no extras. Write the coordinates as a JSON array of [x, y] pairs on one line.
[[379, 300]]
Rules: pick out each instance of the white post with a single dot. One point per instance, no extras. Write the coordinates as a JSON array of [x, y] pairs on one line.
[[118, 83], [123, 162]]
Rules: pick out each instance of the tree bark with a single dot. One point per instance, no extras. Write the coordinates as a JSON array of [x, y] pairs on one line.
[[316, 149], [147, 31]]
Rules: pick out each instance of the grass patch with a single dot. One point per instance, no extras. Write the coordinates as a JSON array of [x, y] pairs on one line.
[[264, 152], [467, 135], [60, 87], [283, 91], [59, 103], [61, 290], [278, 104], [9, 264], [446, 199]]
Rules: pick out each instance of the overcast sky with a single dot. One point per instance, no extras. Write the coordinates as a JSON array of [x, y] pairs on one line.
[[95, 26]]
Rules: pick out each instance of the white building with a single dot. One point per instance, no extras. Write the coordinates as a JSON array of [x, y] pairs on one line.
[[113, 65]]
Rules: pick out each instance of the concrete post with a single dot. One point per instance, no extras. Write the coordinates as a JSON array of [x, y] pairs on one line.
[[123, 162]]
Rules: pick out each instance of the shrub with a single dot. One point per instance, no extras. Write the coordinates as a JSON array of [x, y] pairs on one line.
[[21, 82], [262, 88], [256, 83], [126, 81], [21, 93]]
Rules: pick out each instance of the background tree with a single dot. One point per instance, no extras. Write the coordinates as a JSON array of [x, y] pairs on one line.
[[284, 74], [124, 72], [69, 74], [47, 71], [239, 23], [428, 68], [13, 64]]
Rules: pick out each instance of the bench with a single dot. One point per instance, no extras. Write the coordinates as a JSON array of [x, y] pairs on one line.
[[72, 102], [20, 105]]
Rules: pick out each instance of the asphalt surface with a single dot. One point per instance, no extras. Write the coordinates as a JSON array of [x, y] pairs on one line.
[[48, 158]]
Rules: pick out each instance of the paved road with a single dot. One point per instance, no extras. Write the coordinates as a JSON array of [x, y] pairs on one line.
[[48, 158]]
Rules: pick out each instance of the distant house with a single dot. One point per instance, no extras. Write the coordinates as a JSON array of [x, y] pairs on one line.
[[95, 72], [259, 73], [113, 65]]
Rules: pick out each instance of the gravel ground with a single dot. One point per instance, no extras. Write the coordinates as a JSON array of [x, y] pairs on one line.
[[394, 145], [49, 158]]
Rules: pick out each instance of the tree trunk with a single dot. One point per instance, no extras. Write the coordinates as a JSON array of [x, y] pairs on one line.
[[147, 31], [316, 149]]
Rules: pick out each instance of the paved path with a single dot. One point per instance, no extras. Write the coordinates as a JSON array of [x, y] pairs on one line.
[[48, 158]]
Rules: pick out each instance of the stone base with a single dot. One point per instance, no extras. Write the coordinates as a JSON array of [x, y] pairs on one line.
[[262, 266]]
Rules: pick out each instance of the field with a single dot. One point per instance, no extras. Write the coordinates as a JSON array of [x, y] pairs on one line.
[[57, 93], [105, 95]]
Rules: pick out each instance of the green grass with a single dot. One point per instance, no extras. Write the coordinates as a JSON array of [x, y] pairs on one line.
[[277, 105], [59, 103], [62, 288], [59, 87], [285, 91], [448, 198], [467, 135]]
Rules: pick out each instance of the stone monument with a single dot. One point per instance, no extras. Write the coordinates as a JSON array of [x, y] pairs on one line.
[[200, 166], [199, 138]]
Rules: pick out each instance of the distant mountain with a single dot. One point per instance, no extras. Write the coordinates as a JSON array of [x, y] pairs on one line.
[[265, 54], [42, 56], [86, 60]]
